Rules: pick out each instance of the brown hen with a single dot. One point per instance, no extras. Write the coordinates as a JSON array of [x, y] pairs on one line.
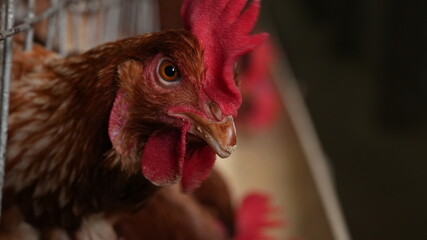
[[94, 136]]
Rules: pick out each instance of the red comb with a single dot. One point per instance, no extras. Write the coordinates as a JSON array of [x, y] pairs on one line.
[[222, 27], [254, 218], [259, 91]]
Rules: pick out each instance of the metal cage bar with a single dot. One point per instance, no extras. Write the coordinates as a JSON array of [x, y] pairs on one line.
[[30, 33], [52, 25], [62, 31], [8, 32], [65, 34], [8, 13]]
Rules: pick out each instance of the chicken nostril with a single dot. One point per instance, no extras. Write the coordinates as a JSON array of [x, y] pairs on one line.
[[216, 111]]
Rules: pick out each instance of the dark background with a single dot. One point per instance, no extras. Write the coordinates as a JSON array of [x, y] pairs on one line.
[[363, 68]]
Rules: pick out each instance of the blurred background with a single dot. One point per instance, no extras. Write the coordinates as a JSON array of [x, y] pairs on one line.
[[361, 65]]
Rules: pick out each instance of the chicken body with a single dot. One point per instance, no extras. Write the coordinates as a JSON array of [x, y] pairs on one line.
[[62, 168], [94, 136], [206, 214]]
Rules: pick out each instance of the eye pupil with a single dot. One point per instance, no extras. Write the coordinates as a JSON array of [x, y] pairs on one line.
[[170, 71]]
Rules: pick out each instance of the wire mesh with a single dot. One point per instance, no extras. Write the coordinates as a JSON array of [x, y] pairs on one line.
[[65, 26]]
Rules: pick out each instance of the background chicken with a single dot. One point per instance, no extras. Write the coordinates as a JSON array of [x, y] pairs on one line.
[[261, 102], [208, 213], [94, 135], [205, 214]]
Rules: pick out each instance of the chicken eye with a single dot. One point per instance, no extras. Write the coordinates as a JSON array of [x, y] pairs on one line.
[[168, 71]]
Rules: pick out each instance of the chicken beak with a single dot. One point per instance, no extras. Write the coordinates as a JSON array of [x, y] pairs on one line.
[[220, 135]]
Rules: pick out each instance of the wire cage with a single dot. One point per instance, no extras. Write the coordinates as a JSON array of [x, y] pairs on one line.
[[75, 25], [67, 27]]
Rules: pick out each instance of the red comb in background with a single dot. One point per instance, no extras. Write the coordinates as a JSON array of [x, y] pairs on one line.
[[254, 217], [261, 101], [223, 28]]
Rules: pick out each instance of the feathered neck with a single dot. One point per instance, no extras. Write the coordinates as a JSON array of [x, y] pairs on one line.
[[65, 159]]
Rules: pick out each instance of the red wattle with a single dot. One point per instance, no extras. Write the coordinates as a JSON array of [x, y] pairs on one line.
[[164, 160], [197, 168], [163, 157]]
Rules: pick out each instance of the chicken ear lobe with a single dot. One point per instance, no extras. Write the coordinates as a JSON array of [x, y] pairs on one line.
[[117, 121]]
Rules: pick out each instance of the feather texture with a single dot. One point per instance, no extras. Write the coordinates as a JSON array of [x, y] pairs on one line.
[[93, 136], [60, 155]]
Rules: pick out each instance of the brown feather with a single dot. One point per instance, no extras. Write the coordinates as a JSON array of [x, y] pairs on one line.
[[61, 168], [170, 214]]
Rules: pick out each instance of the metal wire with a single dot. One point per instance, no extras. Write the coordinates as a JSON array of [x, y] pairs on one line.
[[51, 28], [2, 26], [62, 30], [5, 85], [92, 22], [8, 32], [30, 33]]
